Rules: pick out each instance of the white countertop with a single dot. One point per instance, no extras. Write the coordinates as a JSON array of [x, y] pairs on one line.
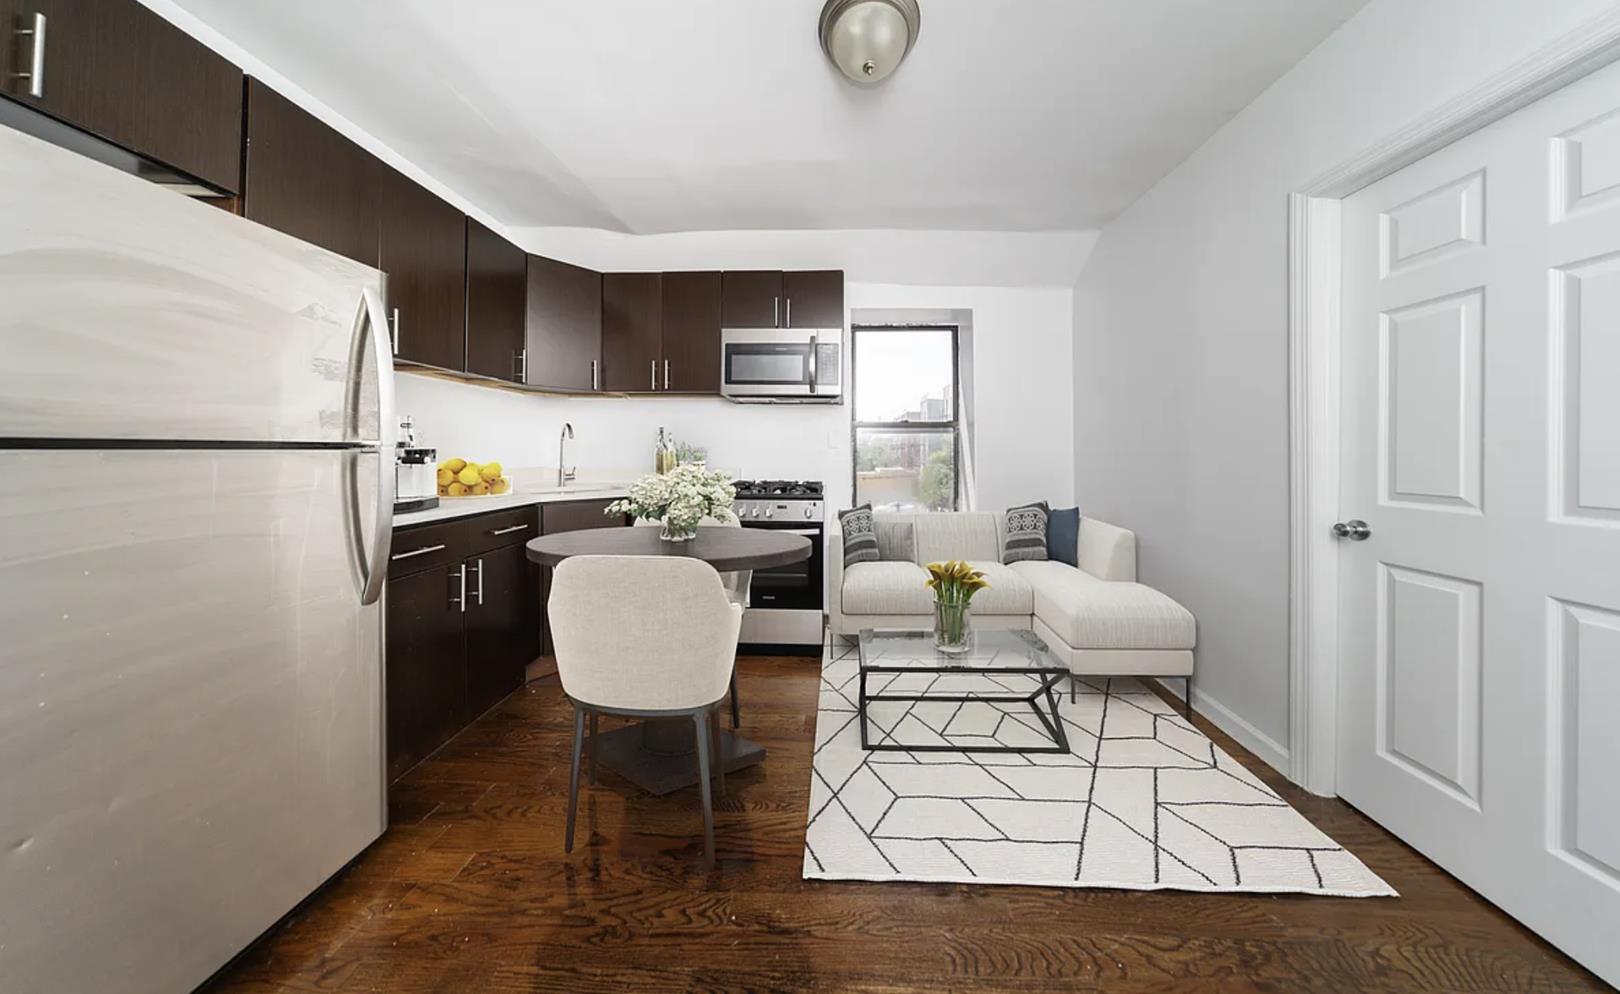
[[463, 507]]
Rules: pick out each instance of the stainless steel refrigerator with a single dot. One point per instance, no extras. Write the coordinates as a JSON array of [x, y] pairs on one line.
[[196, 488]]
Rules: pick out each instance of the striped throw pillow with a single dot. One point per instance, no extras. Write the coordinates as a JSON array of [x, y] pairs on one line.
[[860, 538], [1026, 533]]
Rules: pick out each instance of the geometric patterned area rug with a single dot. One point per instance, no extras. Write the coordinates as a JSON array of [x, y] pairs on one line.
[[1142, 801]]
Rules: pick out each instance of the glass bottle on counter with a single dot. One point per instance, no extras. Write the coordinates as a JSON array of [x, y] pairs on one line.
[[664, 453]]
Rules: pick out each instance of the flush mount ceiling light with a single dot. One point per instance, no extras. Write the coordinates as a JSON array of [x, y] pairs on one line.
[[867, 39]]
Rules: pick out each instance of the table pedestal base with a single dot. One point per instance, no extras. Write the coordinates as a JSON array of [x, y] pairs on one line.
[[660, 755]]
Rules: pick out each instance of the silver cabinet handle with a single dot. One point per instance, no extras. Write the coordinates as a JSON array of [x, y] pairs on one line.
[[480, 591], [789, 321], [36, 69], [508, 529], [654, 365], [593, 376], [394, 321], [424, 550], [461, 588], [666, 374], [520, 360], [776, 312]]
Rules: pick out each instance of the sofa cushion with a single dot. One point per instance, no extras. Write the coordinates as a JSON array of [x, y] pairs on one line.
[[887, 588], [1063, 535], [1008, 592], [896, 538], [948, 535], [1099, 614], [1026, 533]]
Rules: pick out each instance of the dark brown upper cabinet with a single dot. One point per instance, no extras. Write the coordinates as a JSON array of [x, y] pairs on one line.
[[117, 70], [813, 299], [306, 180], [497, 280], [423, 249], [691, 309], [563, 333], [752, 299], [632, 317]]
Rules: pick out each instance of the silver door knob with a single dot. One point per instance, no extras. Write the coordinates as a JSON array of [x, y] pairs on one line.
[[1355, 530]]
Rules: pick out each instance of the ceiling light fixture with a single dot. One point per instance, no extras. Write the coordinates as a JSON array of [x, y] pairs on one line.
[[867, 39]]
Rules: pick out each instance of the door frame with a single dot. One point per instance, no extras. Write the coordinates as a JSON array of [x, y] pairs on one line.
[[1314, 250]]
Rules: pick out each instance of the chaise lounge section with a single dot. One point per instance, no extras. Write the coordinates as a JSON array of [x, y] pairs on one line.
[[1096, 617]]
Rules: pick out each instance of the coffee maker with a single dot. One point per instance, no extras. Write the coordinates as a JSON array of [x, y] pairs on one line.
[[415, 471]]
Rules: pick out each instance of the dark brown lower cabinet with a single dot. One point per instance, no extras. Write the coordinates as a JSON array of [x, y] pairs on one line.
[[503, 633], [426, 665], [463, 623]]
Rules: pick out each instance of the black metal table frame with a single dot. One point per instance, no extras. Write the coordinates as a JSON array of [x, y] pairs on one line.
[[1050, 678]]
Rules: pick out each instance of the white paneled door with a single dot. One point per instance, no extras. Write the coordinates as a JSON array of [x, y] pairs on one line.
[[1479, 697]]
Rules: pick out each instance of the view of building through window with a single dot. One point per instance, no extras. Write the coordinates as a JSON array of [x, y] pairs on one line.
[[905, 434]]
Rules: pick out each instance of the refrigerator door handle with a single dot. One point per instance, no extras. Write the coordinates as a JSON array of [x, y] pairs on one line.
[[371, 327]]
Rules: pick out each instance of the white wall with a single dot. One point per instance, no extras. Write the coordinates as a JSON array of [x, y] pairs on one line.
[[1181, 352], [1022, 343]]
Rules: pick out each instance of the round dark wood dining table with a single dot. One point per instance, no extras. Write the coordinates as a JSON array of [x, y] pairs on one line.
[[659, 755]]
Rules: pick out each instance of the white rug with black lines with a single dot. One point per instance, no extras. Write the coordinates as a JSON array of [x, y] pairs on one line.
[[1143, 800]]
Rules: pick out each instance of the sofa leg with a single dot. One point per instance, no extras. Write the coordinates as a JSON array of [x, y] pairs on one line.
[[1073, 681], [1186, 702]]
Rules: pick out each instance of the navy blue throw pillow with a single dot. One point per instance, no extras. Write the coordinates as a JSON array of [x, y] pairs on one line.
[[1063, 535]]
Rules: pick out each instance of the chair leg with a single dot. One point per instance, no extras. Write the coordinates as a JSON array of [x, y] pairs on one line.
[[594, 716], [573, 776], [736, 708], [718, 753], [702, 720]]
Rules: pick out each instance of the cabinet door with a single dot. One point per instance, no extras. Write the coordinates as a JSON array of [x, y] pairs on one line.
[[631, 313], [564, 327], [497, 278], [752, 299], [426, 665], [813, 299], [502, 624], [423, 249], [571, 516], [691, 332], [306, 180], [120, 71]]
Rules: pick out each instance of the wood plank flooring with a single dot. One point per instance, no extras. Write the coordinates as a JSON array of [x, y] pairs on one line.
[[470, 891]]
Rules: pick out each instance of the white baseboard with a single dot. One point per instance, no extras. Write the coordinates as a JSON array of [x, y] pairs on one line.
[[1272, 752]]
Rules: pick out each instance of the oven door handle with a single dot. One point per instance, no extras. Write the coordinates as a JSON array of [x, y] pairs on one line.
[[806, 532]]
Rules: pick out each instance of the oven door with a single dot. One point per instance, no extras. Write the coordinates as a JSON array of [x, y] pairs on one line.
[[796, 586], [767, 363]]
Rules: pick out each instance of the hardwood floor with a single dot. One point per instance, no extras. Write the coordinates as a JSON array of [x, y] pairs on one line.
[[470, 891]]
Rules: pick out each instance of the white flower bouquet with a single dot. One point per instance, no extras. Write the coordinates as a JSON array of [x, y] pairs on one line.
[[679, 499]]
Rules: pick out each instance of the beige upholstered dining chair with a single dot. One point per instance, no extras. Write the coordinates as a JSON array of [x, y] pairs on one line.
[[737, 586], [645, 637]]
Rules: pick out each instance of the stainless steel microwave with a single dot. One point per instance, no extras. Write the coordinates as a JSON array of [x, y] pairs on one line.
[[782, 364]]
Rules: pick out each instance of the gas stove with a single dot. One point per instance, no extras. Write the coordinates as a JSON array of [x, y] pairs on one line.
[[761, 502], [785, 603]]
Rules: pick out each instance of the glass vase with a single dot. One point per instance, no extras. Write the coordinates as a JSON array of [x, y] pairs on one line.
[[953, 627], [677, 533]]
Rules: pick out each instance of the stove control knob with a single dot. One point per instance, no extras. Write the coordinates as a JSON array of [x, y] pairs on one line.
[[767, 512], [754, 512], [807, 511]]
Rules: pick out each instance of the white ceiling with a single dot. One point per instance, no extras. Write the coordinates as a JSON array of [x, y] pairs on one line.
[[671, 115]]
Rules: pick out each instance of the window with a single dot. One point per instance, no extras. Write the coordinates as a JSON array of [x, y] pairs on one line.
[[906, 442]]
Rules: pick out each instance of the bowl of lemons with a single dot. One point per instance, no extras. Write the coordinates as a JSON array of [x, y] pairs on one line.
[[463, 478]]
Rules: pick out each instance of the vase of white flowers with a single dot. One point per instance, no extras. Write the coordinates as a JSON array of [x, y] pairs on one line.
[[678, 499]]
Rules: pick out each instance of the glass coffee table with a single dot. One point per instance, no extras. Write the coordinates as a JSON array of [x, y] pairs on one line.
[[1019, 654]]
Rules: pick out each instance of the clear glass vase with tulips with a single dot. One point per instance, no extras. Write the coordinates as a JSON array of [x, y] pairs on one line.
[[954, 584]]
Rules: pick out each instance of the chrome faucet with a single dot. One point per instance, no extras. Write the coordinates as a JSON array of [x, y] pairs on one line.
[[564, 476]]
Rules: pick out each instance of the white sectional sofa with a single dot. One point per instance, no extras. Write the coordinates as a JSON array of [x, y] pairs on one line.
[[1096, 618]]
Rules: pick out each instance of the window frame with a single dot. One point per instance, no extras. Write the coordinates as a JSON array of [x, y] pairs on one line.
[[954, 426]]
